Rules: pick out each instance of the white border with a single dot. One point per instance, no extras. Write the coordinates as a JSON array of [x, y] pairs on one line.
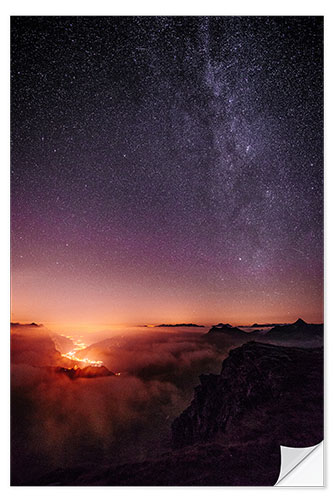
[[172, 7], [142, 7]]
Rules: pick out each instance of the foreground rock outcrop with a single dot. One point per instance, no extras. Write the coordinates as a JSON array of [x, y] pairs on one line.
[[262, 390], [230, 435]]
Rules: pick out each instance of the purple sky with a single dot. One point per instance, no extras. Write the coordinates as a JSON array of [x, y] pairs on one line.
[[166, 169]]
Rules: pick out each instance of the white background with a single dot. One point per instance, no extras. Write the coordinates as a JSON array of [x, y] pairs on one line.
[[142, 7]]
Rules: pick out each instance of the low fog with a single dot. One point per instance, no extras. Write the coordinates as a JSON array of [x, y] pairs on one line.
[[59, 422]]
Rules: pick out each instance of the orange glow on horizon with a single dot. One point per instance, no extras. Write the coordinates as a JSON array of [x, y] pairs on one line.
[[78, 302]]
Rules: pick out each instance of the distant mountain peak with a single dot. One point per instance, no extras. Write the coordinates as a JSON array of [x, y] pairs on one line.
[[300, 322], [225, 328], [178, 325], [36, 325]]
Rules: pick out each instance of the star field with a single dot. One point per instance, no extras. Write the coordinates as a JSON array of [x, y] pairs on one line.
[[167, 168]]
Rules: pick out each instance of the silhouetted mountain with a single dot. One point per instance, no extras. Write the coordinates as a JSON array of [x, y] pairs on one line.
[[13, 325], [299, 332], [225, 328], [264, 325], [289, 327], [300, 322], [178, 325]]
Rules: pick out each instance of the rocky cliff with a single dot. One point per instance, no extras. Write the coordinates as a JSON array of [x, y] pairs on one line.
[[262, 390], [230, 435]]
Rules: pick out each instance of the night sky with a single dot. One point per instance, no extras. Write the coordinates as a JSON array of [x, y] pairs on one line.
[[166, 169]]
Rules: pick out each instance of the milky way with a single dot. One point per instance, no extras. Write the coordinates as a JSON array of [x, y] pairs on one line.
[[167, 168]]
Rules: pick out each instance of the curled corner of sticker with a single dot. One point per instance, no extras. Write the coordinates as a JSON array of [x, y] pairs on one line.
[[302, 466]]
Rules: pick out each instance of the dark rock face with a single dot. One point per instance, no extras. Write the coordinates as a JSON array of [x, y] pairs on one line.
[[230, 435], [263, 390], [211, 464]]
